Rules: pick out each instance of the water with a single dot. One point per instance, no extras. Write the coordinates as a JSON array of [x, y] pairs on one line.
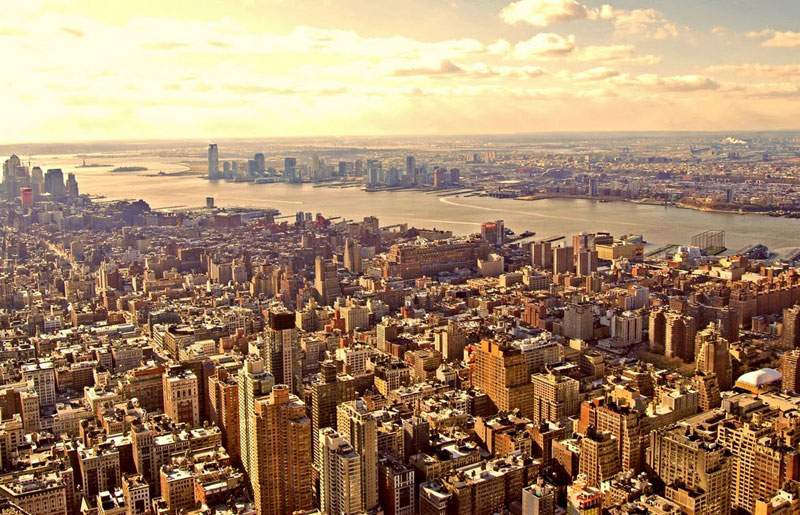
[[462, 215]]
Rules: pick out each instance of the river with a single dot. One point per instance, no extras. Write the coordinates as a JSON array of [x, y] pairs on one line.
[[462, 215]]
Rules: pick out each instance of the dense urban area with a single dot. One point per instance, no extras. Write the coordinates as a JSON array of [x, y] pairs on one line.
[[239, 361]]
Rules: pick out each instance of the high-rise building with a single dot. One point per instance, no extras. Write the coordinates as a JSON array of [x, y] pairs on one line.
[[791, 327], [411, 165], [542, 254], [72, 185], [177, 489], [713, 356], [582, 242], [54, 182], [539, 499], [358, 425], [679, 336], [213, 161], [450, 342], [563, 260], [281, 349], [340, 475], [282, 452], [493, 232], [583, 499], [790, 370], [395, 486], [352, 256], [579, 322], [254, 383], [555, 397], [261, 166], [326, 280], [223, 393], [290, 170], [328, 391], [708, 394], [586, 262], [502, 373], [181, 399], [761, 463], [696, 472], [599, 458]]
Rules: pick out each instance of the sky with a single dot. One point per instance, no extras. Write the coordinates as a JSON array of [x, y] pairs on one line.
[[154, 69]]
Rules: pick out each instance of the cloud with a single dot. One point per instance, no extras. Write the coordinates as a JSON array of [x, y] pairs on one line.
[[622, 54], [73, 32], [777, 39], [646, 23], [545, 45], [598, 73], [749, 69], [444, 67], [676, 83], [541, 13]]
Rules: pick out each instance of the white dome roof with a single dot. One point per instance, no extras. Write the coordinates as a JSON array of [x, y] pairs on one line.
[[761, 377]]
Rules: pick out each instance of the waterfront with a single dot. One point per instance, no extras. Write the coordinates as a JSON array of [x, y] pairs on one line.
[[462, 215]]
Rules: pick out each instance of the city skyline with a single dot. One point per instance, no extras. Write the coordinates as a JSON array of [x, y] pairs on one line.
[[84, 71]]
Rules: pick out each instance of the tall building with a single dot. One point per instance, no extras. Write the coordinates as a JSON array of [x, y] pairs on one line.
[[213, 161], [358, 425], [713, 356], [326, 280], [599, 459], [352, 256], [72, 185], [54, 182], [223, 393], [791, 327], [563, 260], [539, 499], [328, 391], [790, 370], [502, 373], [181, 399], [411, 165], [290, 170], [281, 350], [340, 475], [579, 322], [282, 464], [582, 242], [261, 166], [555, 397], [586, 262], [696, 473], [450, 342], [679, 336], [254, 383], [493, 232], [761, 462], [542, 254], [396, 486]]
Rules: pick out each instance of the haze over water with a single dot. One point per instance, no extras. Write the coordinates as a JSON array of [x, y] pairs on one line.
[[462, 215]]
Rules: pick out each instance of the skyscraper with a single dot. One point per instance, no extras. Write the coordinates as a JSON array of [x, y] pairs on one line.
[[791, 327], [352, 256], [254, 383], [555, 397], [563, 260], [599, 458], [54, 182], [790, 369], [260, 163], [502, 373], [358, 425], [290, 169], [542, 254], [679, 336], [327, 392], [695, 472], [587, 262], [326, 280], [713, 356], [213, 161], [282, 453], [411, 164], [281, 349], [340, 475]]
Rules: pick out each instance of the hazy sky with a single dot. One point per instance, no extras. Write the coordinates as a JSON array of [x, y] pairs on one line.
[[98, 69]]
